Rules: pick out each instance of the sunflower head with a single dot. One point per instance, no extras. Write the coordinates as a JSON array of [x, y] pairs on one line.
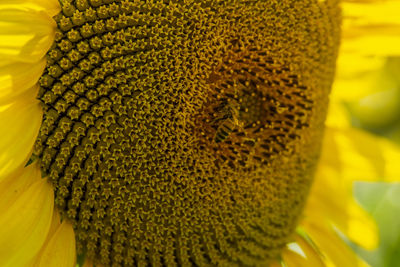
[[185, 132]]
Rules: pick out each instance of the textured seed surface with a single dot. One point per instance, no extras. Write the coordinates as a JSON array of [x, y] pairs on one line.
[[185, 132]]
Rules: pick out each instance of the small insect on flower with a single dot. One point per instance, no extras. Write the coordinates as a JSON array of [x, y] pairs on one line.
[[227, 119]]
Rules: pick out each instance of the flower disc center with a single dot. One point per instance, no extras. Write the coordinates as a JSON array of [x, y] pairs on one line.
[[185, 132]]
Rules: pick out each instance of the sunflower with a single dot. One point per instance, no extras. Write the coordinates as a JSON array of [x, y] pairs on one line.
[[184, 132]]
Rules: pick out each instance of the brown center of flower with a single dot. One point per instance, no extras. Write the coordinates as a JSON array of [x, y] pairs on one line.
[[185, 132]]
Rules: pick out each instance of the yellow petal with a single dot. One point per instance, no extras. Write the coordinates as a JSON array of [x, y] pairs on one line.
[[356, 76], [345, 214], [25, 224], [50, 7], [331, 245], [342, 162], [361, 227], [376, 12], [313, 257], [292, 259], [354, 64], [367, 26], [55, 224], [13, 186], [18, 78], [26, 32], [338, 114], [368, 45], [364, 156], [60, 250], [20, 123]]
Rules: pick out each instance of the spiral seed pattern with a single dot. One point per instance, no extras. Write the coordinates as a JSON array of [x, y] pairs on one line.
[[133, 95]]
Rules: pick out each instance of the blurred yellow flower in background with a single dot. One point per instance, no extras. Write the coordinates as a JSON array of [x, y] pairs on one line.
[[365, 94], [366, 90]]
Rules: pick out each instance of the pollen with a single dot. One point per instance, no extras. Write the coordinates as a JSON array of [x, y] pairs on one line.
[[185, 133]]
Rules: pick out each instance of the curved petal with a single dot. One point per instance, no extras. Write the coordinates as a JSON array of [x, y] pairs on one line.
[[361, 228], [51, 7], [349, 218], [292, 259], [25, 223], [60, 249], [313, 256], [360, 162], [14, 185], [342, 162], [20, 123], [18, 78], [26, 31], [331, 245]]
